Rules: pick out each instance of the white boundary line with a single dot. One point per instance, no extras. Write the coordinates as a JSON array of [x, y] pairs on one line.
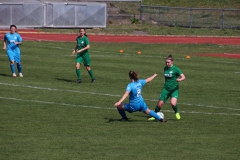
[[104, 94], [113, 108]]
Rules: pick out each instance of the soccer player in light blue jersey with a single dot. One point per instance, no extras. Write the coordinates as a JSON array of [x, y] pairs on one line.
[[11, 43], [136, 101]]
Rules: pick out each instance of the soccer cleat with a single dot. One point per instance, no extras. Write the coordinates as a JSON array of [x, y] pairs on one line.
[[93, 81], [163, 120], [79, 81], [123, 119], [151, 119], [178, 116], [20, 75], [14, 75]]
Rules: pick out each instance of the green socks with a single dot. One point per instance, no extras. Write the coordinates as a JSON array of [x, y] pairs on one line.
[[91, 74], [157, 109], [175, 108], [78, 73]]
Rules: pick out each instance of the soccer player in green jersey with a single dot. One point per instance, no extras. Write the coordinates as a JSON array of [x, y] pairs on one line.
[[173, 75], [83, 56]]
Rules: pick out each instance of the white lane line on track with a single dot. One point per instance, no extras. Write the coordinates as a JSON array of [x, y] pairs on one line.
[[104, 94], [112, 108]]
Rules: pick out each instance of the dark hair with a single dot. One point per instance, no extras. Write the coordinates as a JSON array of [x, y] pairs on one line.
[[133, 75], [84, 30], [13, 26], [170, 57]]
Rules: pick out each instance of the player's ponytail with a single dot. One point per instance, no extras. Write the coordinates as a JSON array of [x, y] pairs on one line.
[[133, 75], [169, 57]]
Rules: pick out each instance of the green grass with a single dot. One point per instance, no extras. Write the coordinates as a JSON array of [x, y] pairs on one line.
[[46, 115], [233, 4], [151, 30]]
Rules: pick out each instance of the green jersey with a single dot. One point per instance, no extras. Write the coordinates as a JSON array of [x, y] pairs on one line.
[[82, 42], [171, 74]]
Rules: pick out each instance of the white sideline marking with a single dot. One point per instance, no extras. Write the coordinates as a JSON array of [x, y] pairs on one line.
[[103, 94], [44, 102], [53, 89], [97, 107], [237, 72]]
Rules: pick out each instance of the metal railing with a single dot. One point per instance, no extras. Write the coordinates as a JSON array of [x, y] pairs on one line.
[[191, 17]]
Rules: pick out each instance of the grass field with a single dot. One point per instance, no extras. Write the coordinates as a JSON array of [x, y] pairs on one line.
[[46, 115]]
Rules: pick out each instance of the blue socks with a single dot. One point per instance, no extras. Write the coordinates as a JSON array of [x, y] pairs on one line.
[[154, 114], [122, 113], [19, 67], [12, 68]]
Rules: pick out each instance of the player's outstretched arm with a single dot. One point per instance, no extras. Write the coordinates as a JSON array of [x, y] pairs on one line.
[[122, 99], [151, 78]]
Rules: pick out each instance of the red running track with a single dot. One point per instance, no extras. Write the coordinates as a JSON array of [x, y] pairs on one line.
[[138, 39]]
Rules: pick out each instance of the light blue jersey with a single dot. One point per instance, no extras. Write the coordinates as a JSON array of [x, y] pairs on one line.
[[136, 102], [135, 89], [13, 50]]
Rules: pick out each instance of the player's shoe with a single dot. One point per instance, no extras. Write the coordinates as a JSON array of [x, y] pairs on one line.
[[163, 120], [14, 75], [20, 75], [93, 81], [123, 119], [178, 116], [151, 119], [79, 81]]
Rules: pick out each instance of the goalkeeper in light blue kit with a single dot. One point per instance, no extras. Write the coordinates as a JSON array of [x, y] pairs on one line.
[[11, 43], [136, 101]]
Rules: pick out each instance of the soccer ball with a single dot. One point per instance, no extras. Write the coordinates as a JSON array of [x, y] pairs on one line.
[[161, 115]]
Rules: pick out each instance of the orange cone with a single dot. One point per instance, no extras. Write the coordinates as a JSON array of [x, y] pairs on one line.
[[139, 52], [187, 57], [121, 51]]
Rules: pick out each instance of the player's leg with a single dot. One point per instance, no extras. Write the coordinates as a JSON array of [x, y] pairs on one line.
[[174, 97], [19, 65], [121, 110], [87, 63], [11, 60], [161, 100], [90, 72], [12, 67], [153, 114], [78, 72]]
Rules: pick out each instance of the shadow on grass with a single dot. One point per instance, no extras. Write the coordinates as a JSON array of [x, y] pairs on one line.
[[118, 120], [5, 75], [65, 80]]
